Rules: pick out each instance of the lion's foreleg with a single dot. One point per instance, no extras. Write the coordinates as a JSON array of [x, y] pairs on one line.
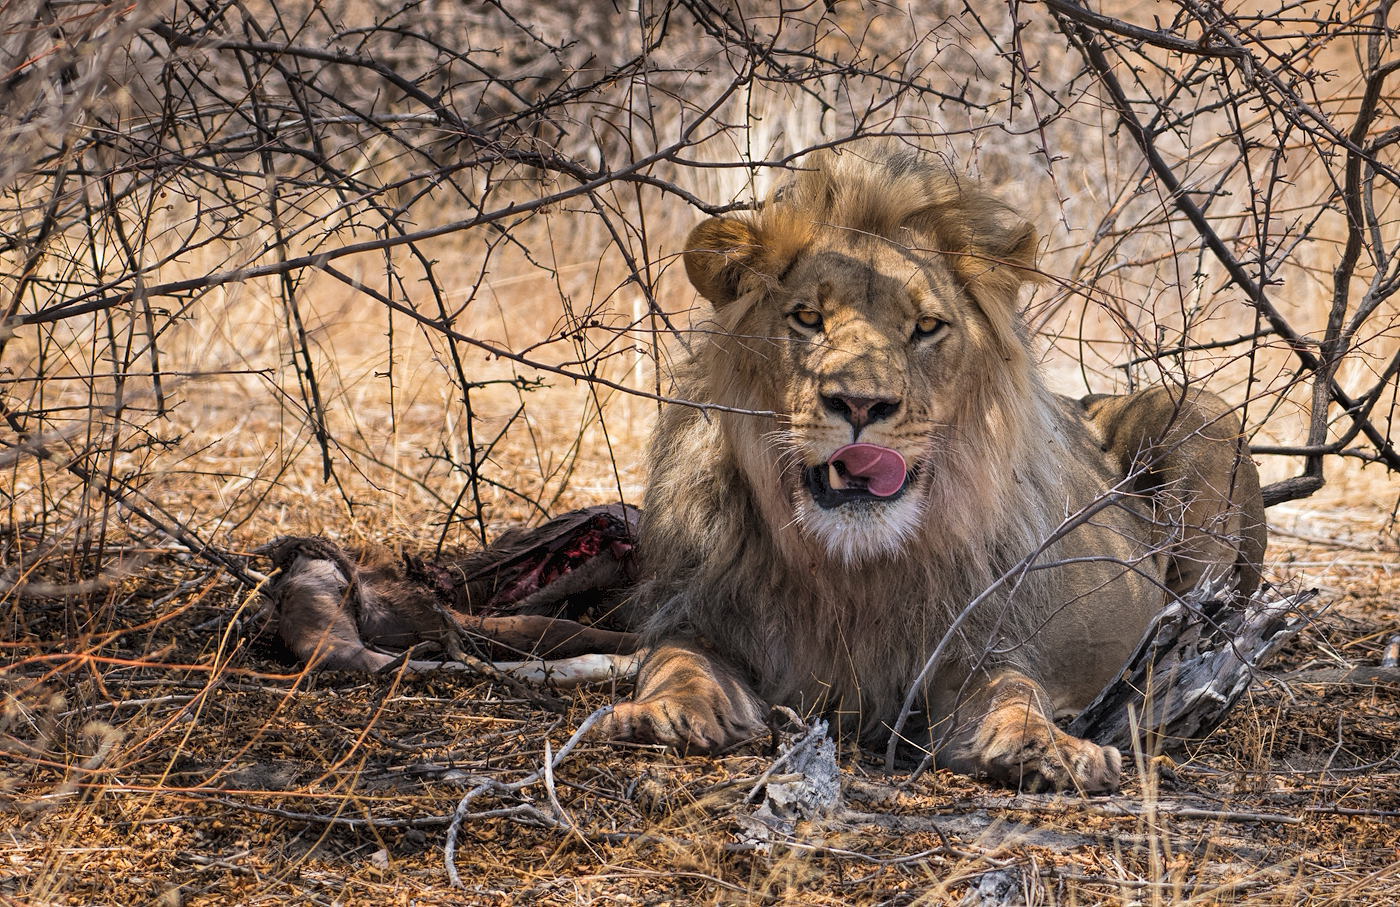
[[686, 699], [1005, 733]]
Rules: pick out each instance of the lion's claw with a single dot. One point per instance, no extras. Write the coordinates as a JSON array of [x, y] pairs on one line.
[[666, 722]]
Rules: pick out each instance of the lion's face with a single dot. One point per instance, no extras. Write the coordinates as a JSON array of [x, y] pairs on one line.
[[875, 341], [888, 351]]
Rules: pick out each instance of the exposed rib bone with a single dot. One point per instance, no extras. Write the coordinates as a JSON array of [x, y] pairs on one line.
[[562, 672]]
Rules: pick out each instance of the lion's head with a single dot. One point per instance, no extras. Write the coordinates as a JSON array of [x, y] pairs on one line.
[[873, 304]]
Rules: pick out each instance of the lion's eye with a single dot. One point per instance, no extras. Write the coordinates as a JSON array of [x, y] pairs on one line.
[[807, 318], [928, 325]]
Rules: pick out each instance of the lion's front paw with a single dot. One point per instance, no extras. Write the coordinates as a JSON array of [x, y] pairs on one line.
[[672, 723], [1015, 743], [686, 701], [1045, 758]]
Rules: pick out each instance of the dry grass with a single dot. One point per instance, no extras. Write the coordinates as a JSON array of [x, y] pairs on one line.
[[160, 755]]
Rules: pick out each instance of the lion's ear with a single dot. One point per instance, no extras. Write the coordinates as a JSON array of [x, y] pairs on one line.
[[992, 250], [994, 258], [717, 254], [1021, 248], [989, 246]]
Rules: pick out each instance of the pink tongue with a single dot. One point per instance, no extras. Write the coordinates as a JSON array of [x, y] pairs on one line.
[[883, 469]]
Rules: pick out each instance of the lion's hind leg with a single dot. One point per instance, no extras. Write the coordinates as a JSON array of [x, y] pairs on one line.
[[687, 700], [1189, 455], [1005, 734]]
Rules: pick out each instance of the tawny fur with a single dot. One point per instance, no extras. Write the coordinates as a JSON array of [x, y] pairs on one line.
[[758, 596]]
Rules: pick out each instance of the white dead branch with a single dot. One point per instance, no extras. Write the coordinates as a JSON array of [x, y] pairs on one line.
[[1191, 666]]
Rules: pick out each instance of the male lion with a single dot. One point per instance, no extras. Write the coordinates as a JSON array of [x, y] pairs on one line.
[[908, 456]]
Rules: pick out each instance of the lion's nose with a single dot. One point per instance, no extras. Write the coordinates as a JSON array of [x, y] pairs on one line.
[[860, 411]]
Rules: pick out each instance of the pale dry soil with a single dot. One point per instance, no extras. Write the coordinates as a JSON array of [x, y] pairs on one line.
[[159, 750]]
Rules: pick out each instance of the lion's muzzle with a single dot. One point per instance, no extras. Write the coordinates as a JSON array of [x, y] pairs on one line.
[[858, 472]]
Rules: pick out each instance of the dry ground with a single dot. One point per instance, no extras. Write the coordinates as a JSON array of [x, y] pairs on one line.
[[160, 753]]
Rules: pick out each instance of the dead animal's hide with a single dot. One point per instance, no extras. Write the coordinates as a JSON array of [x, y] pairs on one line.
[[521, 597]]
